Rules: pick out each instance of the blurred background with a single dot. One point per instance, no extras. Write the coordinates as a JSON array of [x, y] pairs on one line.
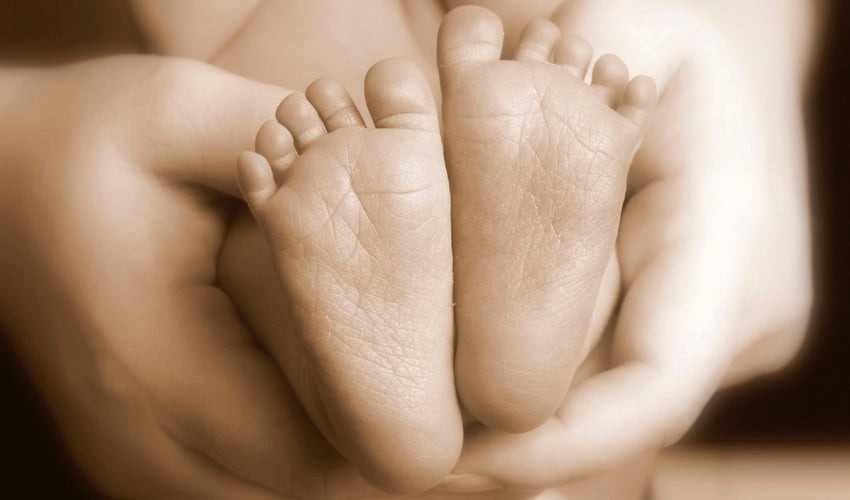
[[795, 423]]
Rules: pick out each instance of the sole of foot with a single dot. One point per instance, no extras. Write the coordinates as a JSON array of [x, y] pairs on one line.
[[538, 162], [358, 221]]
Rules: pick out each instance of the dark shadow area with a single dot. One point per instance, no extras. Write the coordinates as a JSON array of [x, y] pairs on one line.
[[35, 464], [51, 31]]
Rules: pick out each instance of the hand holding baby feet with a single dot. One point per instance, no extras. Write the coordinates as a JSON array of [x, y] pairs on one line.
[[538, 162], [358, 221], [713, 242]]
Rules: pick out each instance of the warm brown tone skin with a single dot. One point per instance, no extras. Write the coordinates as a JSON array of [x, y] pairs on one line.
[[114, 337], [360, 234], [538, 162]]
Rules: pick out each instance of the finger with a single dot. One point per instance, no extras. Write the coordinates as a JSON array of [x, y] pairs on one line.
[[606, 421], [769, 354], [672, 358], [779, 332], [201, 119]]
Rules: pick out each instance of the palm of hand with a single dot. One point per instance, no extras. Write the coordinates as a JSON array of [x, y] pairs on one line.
[[153, 380]]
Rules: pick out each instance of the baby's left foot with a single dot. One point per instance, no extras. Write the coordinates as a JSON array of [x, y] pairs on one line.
[[538, 162], [359, 227]]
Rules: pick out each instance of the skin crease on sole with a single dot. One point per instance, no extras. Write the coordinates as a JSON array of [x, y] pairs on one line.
[[538, 162], [358, 221]]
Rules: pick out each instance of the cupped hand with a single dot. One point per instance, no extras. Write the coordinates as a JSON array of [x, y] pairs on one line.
[[713, 252], [111, 231]]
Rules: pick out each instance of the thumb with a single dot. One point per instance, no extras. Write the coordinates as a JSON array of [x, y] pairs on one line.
[[195, 121]]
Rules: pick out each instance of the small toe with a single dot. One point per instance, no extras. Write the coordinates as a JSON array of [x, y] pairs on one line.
[[275, 143], [301, 118], [256, 180], [574, 53], [334, 105], [639, 100], [609, 78], [398, 96], [537, 41], [469, 34]]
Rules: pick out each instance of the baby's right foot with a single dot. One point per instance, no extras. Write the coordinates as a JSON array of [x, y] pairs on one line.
[[538, 162], [359, 227]]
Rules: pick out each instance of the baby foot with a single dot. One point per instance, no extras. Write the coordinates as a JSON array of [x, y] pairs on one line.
[[358, 222], [538, 162]]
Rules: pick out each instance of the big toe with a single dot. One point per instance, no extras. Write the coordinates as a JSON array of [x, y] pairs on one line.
[[398, 96], [469, 34]]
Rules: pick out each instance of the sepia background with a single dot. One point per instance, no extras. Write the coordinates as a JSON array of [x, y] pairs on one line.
[[780, 436]]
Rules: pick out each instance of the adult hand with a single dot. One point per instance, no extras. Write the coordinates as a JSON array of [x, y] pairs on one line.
[[108, 252], [713, 252]]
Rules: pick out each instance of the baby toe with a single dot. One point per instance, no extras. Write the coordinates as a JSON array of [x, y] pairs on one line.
[[639, 100], [334, 104], [574, 53], [275, 143], [537, 41], [398, 96], [610, 76], [301, 118]]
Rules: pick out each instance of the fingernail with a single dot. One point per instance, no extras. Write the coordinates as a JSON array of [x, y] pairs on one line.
[[468, 483]]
